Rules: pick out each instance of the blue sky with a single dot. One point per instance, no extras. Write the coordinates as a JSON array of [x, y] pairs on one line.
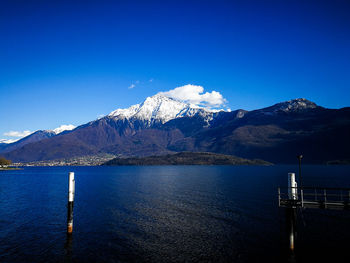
[[68, 63]]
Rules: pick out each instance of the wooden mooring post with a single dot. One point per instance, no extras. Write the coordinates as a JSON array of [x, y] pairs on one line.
[[71, 191]]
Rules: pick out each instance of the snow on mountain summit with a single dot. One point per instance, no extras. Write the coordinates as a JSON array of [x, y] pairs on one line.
[[63, 128], [159, 108], [296, 105]]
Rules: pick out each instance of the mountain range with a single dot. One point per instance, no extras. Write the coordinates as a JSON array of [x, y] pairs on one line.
[[162, 125]]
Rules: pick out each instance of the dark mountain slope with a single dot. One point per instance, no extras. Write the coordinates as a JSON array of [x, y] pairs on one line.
[[318, 133]]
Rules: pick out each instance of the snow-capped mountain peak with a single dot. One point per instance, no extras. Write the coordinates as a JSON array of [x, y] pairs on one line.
[[158, 108], [296, 105], [63, 128]]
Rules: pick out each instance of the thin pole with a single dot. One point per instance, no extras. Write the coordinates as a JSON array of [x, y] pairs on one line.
[[300, 178], [302, 197], [70, 203], [279, 197]]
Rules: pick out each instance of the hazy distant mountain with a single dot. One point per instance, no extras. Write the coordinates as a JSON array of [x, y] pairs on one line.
[[34, 137], [161, 125]]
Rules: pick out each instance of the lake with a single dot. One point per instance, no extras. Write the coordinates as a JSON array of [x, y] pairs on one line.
[[167, 214]]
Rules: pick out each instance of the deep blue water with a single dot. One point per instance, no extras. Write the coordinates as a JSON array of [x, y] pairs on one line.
[[166, 214]]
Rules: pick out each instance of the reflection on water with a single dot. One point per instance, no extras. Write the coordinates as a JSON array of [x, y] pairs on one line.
[[166, 214], [68, 248]]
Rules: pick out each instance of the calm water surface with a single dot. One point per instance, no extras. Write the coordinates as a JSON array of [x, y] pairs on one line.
[[166, 214]]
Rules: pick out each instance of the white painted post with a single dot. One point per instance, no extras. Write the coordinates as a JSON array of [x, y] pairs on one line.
[[71, 187], [292, 187], [292, 194], [70, 203]]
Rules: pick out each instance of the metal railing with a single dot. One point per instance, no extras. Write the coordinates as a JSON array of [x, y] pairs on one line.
[[311, 196]]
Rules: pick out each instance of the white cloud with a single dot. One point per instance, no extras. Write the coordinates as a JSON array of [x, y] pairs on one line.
[[151, 80], [195, 95], [132, 86], [8, 140], [64, 128], [18, 133]]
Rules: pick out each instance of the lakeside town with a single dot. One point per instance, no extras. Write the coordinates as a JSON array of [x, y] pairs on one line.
[[89, 160]]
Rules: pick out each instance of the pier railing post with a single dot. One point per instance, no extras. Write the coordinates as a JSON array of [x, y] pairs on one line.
[[279, 197], [315, 194], [302, 197], [70, 203]]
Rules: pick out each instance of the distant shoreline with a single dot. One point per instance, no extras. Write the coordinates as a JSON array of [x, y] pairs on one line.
[[10, 168], [186, 158], [339, 162]]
